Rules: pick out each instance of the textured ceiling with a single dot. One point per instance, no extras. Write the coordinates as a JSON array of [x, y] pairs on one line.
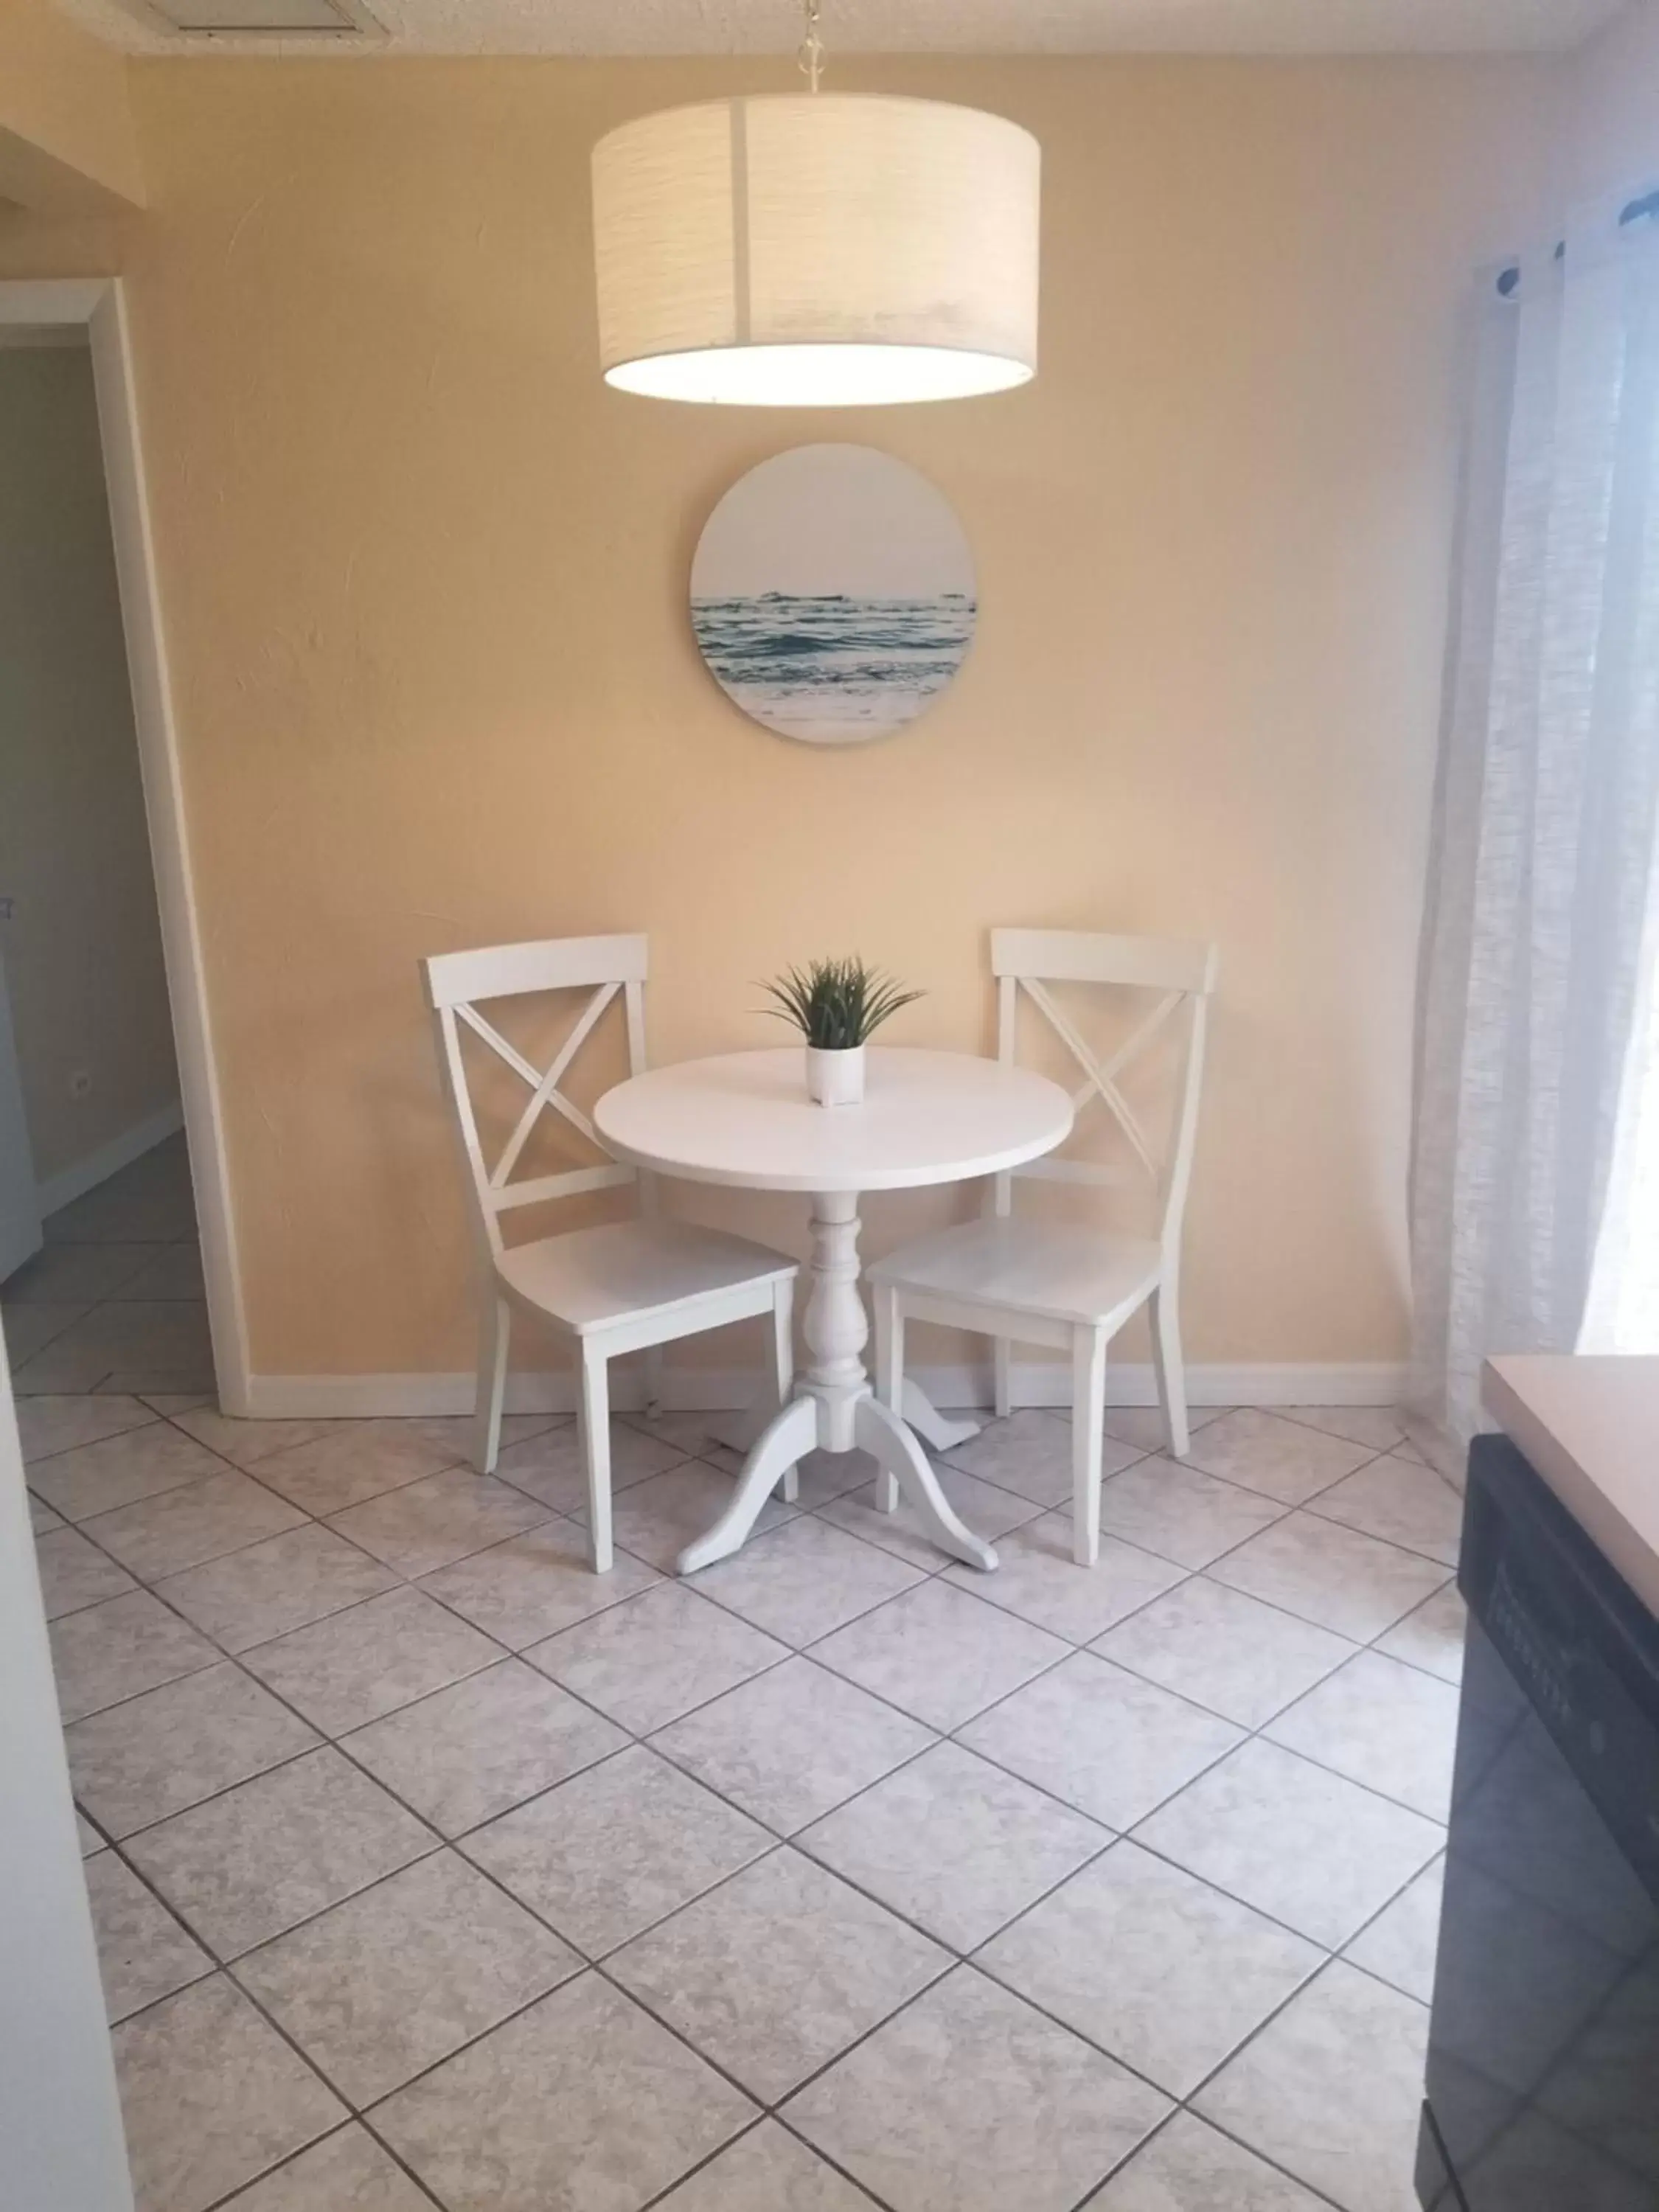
[[724, 26]]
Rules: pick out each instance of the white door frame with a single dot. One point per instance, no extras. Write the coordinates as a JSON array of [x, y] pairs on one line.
[[98, 303], [20, 1194]]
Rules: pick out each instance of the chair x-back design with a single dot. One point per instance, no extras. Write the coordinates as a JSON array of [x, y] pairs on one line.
[[615, 1287], [1068, 1284]]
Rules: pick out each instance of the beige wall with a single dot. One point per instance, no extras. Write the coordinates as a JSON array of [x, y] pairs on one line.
[[33, 244], [66, 134], [1610, 136], [84, 953], [425, 583]]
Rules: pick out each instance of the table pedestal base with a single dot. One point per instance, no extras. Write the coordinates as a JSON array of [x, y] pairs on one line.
[[801, 1427], [835, 1410], [921, 1414], [742, 1432]]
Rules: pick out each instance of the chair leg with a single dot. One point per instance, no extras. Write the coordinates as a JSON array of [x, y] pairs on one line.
[[1088, 1417], [1163, 1313], [1003, 1362], [783, 1368], [495, 1331], [652, 1381], [890, 1381], [596, 1448]]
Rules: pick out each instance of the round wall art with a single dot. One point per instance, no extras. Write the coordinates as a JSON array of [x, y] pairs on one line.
[[832, 594]]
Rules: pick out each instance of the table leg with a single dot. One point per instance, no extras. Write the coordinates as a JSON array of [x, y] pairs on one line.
[[788, 1437], [741, 1432], [890, 1442], [929, 1423]]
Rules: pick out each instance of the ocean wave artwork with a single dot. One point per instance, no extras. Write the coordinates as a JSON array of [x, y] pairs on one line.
[[833, 595], [831, 667]]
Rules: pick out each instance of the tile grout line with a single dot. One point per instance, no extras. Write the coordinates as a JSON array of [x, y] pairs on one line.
[[109, 1298], [290, 2158], [1307, 1504], [235, 1467], [953, 1958], [1266, 2158], [1261, 2029], [704, 2163], [45, 1459], [1181, 2110], [215, 1965], [818, 1512], [153, 1586], [62, 1330], [1247, 1734], [340, 1744], [363, 2114], [796, 1651], [599, 1966], [953, 1955]]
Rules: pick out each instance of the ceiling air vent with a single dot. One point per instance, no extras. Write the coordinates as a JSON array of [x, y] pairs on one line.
[[273, 19]]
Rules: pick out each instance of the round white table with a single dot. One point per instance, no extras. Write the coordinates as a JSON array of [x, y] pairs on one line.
[[745, 1120]]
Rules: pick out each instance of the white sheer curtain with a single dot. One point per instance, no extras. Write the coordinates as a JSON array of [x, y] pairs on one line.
[[1623, 1310], [1537, 1111]]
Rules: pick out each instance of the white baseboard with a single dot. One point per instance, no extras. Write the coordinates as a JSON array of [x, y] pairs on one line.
[[72, 1182], [723, 1389]]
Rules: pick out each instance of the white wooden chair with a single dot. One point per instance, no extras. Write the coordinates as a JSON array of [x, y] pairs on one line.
[[620, 1286], [1069, 1285]]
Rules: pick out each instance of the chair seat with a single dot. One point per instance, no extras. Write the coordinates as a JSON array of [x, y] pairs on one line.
[[590, 1278], [1062, 1273]]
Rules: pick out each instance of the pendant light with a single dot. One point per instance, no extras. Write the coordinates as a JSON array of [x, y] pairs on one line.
[[816, 249]]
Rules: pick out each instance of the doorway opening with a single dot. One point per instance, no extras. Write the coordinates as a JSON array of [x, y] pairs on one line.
[[117, 1271]]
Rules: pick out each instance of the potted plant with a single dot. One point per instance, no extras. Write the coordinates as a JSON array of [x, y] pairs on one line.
[[836, 1005]]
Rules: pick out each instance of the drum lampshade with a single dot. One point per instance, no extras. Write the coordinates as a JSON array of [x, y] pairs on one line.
[[817, 250]]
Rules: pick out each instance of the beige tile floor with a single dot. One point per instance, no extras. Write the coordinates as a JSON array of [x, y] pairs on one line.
[[114, 1302], [429, 1869]]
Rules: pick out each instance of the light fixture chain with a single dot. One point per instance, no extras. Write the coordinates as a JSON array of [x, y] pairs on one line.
[[811, 52]]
